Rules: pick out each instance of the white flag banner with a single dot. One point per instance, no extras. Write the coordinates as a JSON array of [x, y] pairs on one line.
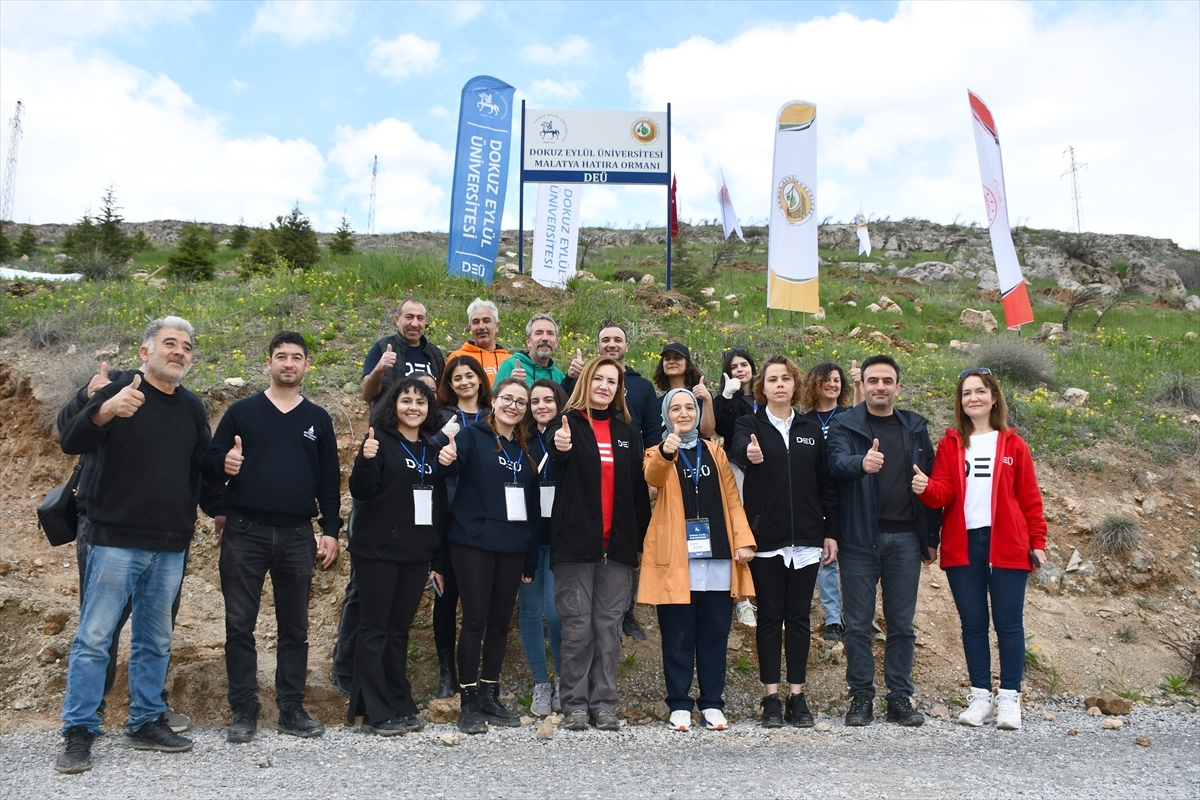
[[792, 250], [728, 216], [1017, 310], [556, 234], [864, 236]]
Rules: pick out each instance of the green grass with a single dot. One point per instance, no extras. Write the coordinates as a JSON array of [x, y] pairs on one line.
[[1126, 634], [1176, 685]]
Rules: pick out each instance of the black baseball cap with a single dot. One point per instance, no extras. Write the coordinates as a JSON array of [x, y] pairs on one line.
[[680, 349]]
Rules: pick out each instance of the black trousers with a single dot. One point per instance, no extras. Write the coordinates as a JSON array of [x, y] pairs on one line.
[[783, 593], [445, 610], [488, 582], [389, 593], [695, 637]]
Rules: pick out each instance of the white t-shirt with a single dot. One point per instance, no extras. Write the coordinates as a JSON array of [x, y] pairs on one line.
[[981, 460]]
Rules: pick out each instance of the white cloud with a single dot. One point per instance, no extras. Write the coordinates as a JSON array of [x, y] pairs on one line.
[[406, 55], [569, 49], [462, 13], [238, 86], [298, 22], [1121, 85], [441, 112], [28, 23], [554, 90]]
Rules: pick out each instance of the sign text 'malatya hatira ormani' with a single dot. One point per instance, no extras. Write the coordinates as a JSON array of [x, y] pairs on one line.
[[480, 177], [611, 147]]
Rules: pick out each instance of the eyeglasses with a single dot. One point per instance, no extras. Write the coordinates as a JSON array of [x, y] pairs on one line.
[[506, 400], [976, 371]]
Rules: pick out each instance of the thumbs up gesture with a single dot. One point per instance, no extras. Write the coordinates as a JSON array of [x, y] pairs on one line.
[[701, 391], [234, 458], [873, 461], [519, 373], [98, 381], [671, 443], [920, 480], [576, 364], [448, 454], [729, 386], [451, 428], [562, 436], [370, 447], [754, 453], [126, 402], [855, 373], [387, 360]]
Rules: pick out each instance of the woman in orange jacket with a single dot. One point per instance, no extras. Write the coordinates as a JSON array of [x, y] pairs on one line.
[[693, 560]]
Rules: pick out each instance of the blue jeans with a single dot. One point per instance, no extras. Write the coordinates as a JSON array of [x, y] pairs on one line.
[[893, 564], [971, 586], [533, 601], [830, 592], [114, 576]]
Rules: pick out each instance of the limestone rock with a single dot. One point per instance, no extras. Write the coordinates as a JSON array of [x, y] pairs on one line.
[[1192, 335], [59, 258], [648, 280], [978, 320], [1049, 577], [1110, 724], [818, 330], [929, 272], [235, 383], [584, 275], [874, 308], [54, 621], [1076, 397], [819, 314], [548, 727], [1142, 741], [822, 727], [443, 710], [939, 711], [49, 654], [890, 305], [662, 711], [1154, 280], [1093, 711], [989, 281], [1109, 704], [1192, 303], [451, 739]]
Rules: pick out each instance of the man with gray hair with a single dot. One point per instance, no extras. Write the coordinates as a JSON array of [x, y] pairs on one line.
[[537, 360], [483, 321], [148, 434]]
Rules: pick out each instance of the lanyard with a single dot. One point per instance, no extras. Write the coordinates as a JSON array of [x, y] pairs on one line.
[[695, 472], [464, 417], [516, 463], [545, 457], [420, 461], [825, 422]]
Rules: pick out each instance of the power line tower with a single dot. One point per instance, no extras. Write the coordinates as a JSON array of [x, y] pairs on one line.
[[10, 166], [1073, 171], [371, 212]]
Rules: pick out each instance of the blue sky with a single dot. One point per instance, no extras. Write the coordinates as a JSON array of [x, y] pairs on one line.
[[216, 111]]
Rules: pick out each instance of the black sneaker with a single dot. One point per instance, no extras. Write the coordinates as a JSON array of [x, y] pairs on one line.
[[492, 709], [413, 723], [470, 720], [797, 711], [576, 721], [606, 721], [862, 711], [631, 628], [295, 721], [245, 725], [177, 722], [900, 709], [772, 711], [340, 684], [390, 727], [77, 757], [834, 632], [157, 735]]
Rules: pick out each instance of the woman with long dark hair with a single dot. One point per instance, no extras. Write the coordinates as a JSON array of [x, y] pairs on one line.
[[993, 535], [736, 399], [676, 370]]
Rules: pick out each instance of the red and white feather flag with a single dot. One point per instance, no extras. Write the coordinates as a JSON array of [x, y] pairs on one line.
[[729, 220]]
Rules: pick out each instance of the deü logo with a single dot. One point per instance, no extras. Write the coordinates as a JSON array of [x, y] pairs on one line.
[[795, 200]]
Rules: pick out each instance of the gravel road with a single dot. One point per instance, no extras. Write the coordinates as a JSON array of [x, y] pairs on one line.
[[882, 761]]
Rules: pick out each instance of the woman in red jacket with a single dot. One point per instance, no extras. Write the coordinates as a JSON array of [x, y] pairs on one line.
[[993, 535]]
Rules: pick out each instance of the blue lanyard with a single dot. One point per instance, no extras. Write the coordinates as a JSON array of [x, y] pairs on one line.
[[545, 457], [516, 463], [420, 461], [825, 422], [464, 417]]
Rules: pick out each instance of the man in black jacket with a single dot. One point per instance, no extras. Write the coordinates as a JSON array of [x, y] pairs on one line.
[[405, 353], [147, 434], [886, 536], [278, 452]]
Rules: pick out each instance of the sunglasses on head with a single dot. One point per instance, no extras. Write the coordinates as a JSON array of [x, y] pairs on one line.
[[975, 371]]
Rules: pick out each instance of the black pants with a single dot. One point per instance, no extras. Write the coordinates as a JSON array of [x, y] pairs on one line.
[[782, 593], [248, 552], [390, 592], [445, 610], [489, 590], [347, 630], [695, 636]]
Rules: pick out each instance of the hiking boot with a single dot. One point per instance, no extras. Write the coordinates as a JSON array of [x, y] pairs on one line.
[[341, 684], [542, 696], [470, 720], [295, 721], [1008, 710], [389, 727], [576, 721], [900, 709], [772, 711], [77, 756], [713, 719], [447, 679], [492, 709], [834, 632], [606, 721], [157, 735], [245, 725], [631, 628], [556, 701], [862, 710], [177, 722], [745, 614], [797, 711], [980, 708], [413, 723]]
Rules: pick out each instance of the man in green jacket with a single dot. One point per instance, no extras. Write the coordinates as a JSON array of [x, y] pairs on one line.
[[537, 360]]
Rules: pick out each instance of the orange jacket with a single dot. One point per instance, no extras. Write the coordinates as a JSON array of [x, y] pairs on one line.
[[665, 576], [490, 360]]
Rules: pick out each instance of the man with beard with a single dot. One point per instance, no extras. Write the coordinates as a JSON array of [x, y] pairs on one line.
[[404, 354], [278, 452], [483, 321], [537, 361]]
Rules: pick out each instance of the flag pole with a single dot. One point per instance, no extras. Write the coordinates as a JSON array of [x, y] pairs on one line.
[[669, 176], [521, 201]]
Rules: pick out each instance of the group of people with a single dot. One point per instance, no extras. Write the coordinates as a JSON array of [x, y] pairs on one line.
[[499, 480]]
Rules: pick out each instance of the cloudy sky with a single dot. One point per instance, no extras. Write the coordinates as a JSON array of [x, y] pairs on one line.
[[220, 111]]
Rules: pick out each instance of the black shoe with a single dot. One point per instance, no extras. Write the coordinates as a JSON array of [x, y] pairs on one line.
[[447, 680], [412, 723], [340, 684], [772, 711], [862, 711], [834, 632], [797, 711], [245, 725], [631, 628], [469, 718], [77, 757], [900, 709], [295, 721], [576, 721], [390, 727], [491, 707], [606, 721], [157, 735]]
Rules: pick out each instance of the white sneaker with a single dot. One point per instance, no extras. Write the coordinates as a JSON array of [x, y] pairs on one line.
[[680, 721], [980, 709], [542, 694], [713, 719], [1008, 710], [556, 701], [745, 614]]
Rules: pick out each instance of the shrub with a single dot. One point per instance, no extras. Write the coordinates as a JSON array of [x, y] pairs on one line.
[[295, 239], [261, 258], [27, 243], [1115, 535], [240, 236], [6, 247], [342, 243], [141, 242], [81, 239], [96, 265], [1178, 389], [1014, 359], [192, 259], [45, 332]]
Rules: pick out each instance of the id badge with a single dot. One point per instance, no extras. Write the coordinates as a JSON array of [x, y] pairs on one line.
[[422, 504], [699, 543], [547, 499], [514, 501]]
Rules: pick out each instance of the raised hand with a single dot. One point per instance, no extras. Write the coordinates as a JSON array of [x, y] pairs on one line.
[[98, 381], [448, 454], [234, 458], [451, 428], [729, 386], [576, 365], [855, 374], [387, 360], [754, 453], [126, 402], [562, 436], [701, 390], [518, 372], [671, 443], [873, 461], [920, 480], [370, 447]]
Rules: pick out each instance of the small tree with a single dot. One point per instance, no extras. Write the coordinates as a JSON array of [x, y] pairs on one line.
[[240, 236], [261, 257], [192, 259], [27, 242], [295, 239], [113, 241], [342, 243], [141, 242], [82, 238]]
